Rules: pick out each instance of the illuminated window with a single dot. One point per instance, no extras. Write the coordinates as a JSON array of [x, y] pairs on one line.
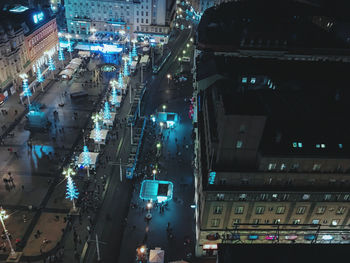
[[316, 167], [242, 197], [346, 197], [280, 209], [335, 222], [323, 145], [239, 209], [218, 209], [276, 221], [320, 210], [256, 221], [340, 146], [296, 221], [215, 222], [295, 144], [272, 166], [318, 146], [244, 80], [239, 144], [301, 210], [327, 197], [220, 197], [253, 80], [306, 197], [341, 210], [283, 167], [300, 145], [315, 221], [236, 221], [260, 209]]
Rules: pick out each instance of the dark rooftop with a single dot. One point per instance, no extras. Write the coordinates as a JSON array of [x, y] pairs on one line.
[[24, 19], [271, 25], [305, 102], [282, 253]]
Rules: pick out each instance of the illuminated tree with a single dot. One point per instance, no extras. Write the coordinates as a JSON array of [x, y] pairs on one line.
[[134, 51], [114, 96], [51, 64], [26, 89], [72, 192], [107, 112], [126, 70], [60, 54], [86, 157], [39, 75]]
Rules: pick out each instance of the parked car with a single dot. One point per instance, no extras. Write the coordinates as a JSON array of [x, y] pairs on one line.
[[78, 94]]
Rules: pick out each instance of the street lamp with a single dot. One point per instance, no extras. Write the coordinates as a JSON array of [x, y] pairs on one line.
[[187, 45], [158, 145], [68, 172], [161, 124], [2, 217], [169, 77], [184, 51], [154, 172], [26, 89]]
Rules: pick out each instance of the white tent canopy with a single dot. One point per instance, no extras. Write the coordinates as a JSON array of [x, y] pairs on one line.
[[76, 61], [103, 136], [156, 256], [67, 72], [93, 159], [72, 66], [110, 121]]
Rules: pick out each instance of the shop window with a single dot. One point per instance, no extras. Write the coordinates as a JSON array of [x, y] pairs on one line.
[[296, 221], [315, 221], [341, 210], [239, 144]]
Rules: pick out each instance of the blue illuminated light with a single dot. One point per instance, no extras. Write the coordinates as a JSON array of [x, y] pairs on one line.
[[18, 9], [38, 17], [340, 146], [211, 178]]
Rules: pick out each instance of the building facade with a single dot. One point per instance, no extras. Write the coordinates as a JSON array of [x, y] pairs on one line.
[[26, 38], [152, 18], [271, 163]]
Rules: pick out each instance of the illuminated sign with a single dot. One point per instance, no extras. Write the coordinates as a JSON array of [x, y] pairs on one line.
[[211, 178], [210, 246], [18, 9], [38, 17]]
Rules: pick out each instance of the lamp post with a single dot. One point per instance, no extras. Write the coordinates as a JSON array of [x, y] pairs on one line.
[[161, 124], [164, 107], [86, 159], [168, 77], [159, 146], [2, 217], [154, 172], [69, 46], [39, 77]]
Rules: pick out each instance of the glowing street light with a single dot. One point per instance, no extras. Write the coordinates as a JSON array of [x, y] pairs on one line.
[[158, 146], [149, 205], [69, 46], [184, 51], [142, 249], [168, 77], [187, 45], [3, 216], [68, 172], [164, 107], [161, 124], [191, 39]]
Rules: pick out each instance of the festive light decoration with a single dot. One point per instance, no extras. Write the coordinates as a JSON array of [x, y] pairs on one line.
[[39, 75], [69, 47], [120, 81], [134, 51], [86, 157], [51, 64], [98, 135], [26, 90], [60, 54], [126, 70], [107, 112], [130, 58], [114, 96], [72, 192]]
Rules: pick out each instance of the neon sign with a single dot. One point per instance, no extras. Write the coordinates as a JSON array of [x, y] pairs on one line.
[[211, 178], [38, 17]]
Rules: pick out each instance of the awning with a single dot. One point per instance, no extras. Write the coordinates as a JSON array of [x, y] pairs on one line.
[[156, 256], [2, 97]]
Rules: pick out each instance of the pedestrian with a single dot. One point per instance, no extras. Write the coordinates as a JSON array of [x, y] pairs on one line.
[[22, 187]]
